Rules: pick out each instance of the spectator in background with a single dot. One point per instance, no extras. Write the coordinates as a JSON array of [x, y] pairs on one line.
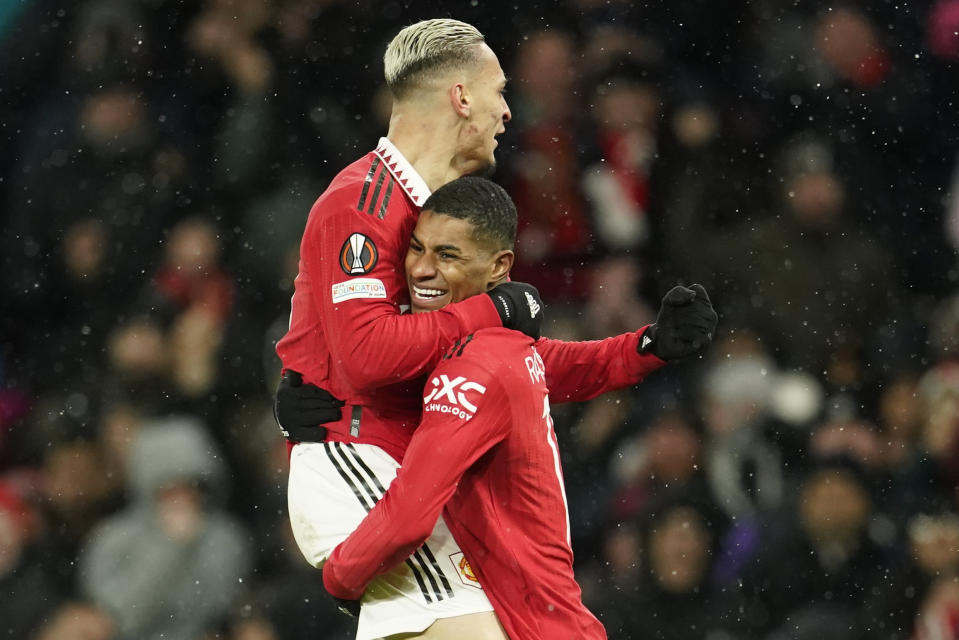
[[137, 360], [30, 589], [15, 406], [191, 277], [287, 599], [224, 31], [700, 176], [935, 468], [929, 599], [120, 422], [80, 304], [78, 620], [666, 455], [84, 223], [164, 353], [854, 80], [595, 430], [625, 109], [808, 280], [943, 330], [193, 294], [939, 615], [554, 238], [70, 487], [77, 495], [674, 600], [743, 464], [743, 470], [225, 37], [899, 420], [855, 439], [123, 172], [819, 571], [943, 22], [614, 304], [169, 564]]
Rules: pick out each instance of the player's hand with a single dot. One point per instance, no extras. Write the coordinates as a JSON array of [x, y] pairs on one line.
[[519, 307], [685, 325], [349, 607], [345, 605], [300, 409]]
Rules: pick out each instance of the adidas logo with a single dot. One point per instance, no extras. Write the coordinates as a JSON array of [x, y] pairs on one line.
[[533, 305], [646, 341]]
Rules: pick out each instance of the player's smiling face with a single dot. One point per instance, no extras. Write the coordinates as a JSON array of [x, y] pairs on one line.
[[445, 263]]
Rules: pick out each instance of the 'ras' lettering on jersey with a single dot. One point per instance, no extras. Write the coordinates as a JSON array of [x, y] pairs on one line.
[[536, 368], [453, 396]]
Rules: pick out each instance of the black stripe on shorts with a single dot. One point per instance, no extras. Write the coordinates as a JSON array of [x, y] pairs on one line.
[[348, 464]]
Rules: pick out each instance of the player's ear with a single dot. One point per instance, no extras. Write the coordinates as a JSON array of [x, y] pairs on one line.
[[460, 99], [500, 267]]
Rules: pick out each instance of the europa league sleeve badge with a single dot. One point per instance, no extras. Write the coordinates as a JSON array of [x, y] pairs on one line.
[[358, 255]]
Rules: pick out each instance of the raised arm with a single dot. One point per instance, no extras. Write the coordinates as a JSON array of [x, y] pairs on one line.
[[580, 371]]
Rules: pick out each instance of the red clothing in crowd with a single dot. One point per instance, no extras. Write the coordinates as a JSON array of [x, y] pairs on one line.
[[211, 290]]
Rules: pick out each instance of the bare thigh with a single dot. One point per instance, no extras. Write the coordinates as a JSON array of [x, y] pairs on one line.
[[475, 626]]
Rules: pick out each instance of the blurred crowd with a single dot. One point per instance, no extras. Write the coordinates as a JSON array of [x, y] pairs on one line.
[[801, 160]]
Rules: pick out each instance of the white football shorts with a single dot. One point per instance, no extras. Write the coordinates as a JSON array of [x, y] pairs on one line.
[[332, 486]]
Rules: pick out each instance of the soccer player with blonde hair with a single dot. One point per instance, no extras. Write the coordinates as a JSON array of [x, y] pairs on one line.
[[354, 363]]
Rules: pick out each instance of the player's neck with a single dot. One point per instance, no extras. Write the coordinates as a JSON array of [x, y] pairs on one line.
[[428, 145]]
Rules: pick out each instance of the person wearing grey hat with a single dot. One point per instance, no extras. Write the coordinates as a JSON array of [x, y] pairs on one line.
[[169, 565]]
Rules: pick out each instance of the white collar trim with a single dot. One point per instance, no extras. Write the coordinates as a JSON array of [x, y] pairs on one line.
[[403, 171]]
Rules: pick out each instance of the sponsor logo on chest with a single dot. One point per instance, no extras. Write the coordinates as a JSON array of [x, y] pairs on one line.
[[455, 397]]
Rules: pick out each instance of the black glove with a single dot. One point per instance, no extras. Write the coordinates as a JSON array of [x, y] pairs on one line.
[[300, 409], [519, 307], [684, 327], [349, 607]]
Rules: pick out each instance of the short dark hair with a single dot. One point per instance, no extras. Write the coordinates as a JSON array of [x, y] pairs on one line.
[[482, 203]]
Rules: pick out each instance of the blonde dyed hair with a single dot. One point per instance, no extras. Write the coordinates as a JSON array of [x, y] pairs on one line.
[[428, 47]]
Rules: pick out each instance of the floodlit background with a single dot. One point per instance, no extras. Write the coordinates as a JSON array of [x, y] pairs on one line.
[[799, 159]]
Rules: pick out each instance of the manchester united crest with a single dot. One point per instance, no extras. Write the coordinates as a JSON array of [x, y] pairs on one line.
[[464, 570], [358, 255]]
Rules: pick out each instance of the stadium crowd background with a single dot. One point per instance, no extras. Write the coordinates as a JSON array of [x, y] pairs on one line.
[[799, 481]]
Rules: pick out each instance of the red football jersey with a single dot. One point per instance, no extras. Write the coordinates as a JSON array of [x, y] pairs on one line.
[[486, 450], [347, 333]]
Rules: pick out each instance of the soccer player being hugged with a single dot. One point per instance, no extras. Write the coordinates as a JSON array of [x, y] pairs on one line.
[[485, 449], [354, 363]]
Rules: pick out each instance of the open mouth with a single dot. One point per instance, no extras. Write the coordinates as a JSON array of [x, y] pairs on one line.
[[424, 295]]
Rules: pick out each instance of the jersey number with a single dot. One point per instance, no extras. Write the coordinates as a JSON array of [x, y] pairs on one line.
[[554, 446]]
